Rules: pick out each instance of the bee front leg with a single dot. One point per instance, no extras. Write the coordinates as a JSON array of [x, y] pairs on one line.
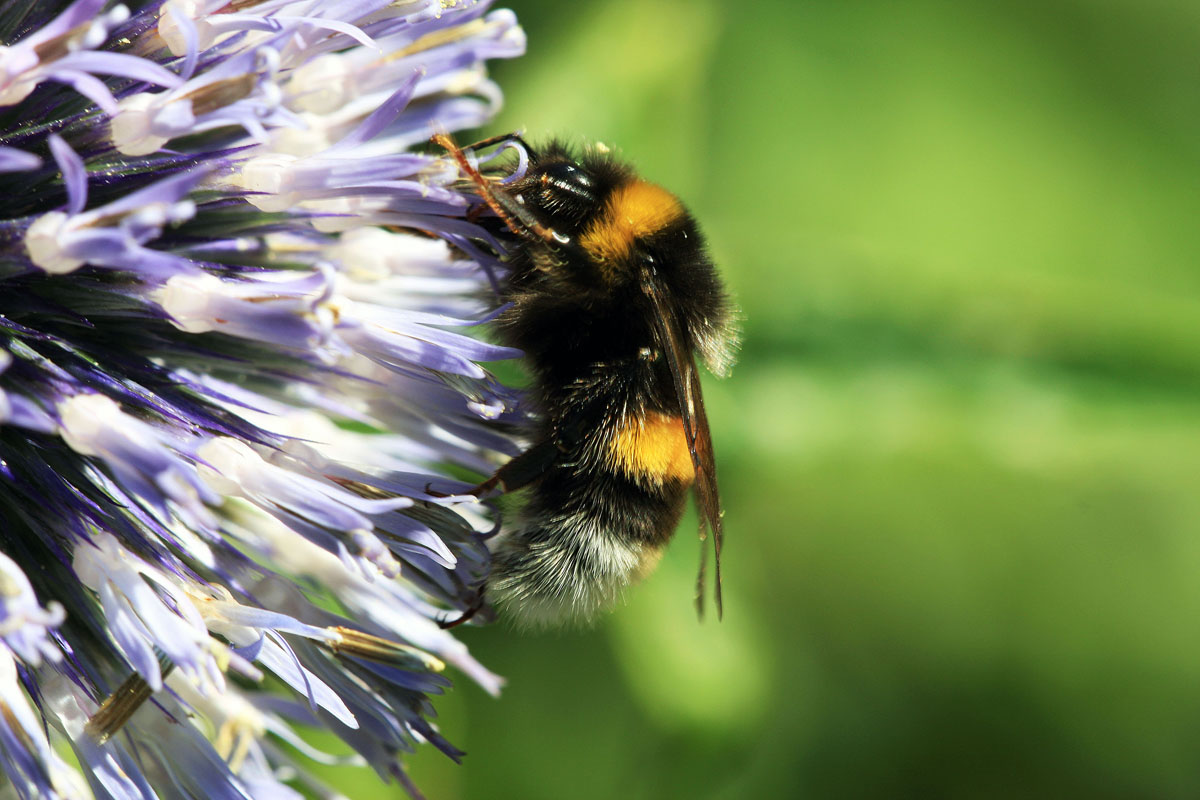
[[520, 471]]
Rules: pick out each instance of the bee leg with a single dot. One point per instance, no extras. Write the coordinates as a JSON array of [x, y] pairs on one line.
[[447, 623], [520, 471], [525, 468], [475, 212]]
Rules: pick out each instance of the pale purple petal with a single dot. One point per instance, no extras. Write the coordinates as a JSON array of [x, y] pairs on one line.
[[168, 190], [280, 659], [14, 160], [121, 64], [73, 171], [87, 85], [383, 116], [77, 13], [191, 38]]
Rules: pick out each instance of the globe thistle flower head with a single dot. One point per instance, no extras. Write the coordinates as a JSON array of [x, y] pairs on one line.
[[237, 306]]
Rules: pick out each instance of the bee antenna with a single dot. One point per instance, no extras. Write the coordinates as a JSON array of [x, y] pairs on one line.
[[508, 209]]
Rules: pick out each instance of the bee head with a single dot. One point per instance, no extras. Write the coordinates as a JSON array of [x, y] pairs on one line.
[[565, 192]]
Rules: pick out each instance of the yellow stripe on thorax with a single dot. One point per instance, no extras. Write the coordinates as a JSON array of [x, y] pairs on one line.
[[653, 448], [634, 210]]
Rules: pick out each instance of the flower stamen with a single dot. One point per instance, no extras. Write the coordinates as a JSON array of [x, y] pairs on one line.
[[116, 709], [368, 646]]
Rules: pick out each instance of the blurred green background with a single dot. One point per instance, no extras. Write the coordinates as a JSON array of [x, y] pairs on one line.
[[960, 453]]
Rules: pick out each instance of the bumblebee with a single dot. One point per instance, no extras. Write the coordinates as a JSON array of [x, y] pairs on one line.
[[612, 296]]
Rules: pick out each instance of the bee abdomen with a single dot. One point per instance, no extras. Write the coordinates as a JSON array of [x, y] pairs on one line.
[[583, 537], [566, 569]]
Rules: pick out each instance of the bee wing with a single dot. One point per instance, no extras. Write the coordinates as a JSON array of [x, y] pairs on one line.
[[686, 379]]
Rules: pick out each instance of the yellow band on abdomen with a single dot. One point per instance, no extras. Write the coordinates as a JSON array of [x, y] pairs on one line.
[[653, 448]]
